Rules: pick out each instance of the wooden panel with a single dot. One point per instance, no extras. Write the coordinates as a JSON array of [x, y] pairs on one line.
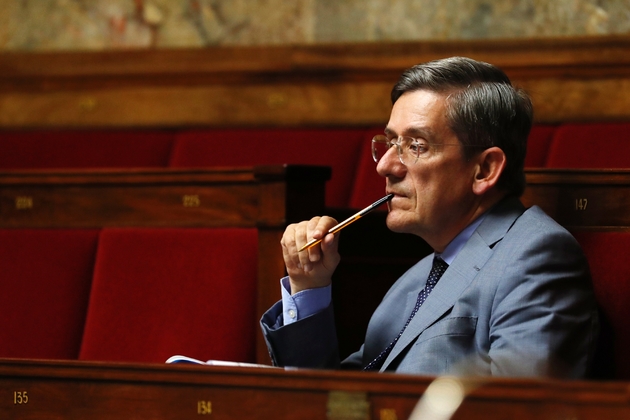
[[69, 390], [258, 105], [582, 79], [582, 199], [93, 199], [562, 100], [168, 197]]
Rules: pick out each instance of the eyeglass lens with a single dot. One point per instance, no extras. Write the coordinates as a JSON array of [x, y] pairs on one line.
[[381, 144]]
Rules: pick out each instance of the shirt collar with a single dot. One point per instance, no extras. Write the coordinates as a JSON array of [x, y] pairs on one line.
[[456, 245]]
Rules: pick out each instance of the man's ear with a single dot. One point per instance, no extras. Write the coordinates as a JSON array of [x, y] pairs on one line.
[[490, 165]]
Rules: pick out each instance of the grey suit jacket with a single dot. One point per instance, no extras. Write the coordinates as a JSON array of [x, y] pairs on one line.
[[516, 301]]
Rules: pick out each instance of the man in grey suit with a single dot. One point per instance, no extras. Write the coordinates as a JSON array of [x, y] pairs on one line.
[[509, 292]]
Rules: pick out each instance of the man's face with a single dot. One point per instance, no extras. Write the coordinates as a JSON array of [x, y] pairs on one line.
[[433, 194]]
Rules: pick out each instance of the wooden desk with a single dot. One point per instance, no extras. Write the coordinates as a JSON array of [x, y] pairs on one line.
[[262, 197], [80, 390]]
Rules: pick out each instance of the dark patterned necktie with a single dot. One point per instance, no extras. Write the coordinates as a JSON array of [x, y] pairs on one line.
[[439, 267]]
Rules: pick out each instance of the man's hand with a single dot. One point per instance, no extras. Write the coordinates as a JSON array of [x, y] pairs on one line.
[[313, 267]]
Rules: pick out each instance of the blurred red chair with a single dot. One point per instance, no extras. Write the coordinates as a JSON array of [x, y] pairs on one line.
[[337, 148], [46, 279], [58, 149], [596, 145], [607, 254], [538, 144], [369, 186], [160, 292]]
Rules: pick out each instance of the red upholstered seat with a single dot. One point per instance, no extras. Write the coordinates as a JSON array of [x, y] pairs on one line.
[[49, 149], [46, 276], [160, 292], [597, 145], [369, 186], [607, 254], [538, 144], [337, 148]]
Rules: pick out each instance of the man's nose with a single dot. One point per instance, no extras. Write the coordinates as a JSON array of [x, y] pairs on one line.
[[390, 164]]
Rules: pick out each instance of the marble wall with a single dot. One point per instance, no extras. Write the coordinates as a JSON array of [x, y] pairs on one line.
[[39, 25]]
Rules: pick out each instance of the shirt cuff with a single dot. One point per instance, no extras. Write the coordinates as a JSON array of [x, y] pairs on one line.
[[304, 303]]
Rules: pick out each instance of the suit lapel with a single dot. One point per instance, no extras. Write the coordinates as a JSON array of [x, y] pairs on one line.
[[459, 275]]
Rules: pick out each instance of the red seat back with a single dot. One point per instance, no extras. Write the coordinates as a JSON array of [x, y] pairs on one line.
[[84, 149], [538, 144], [337, 148], [607, 254], [160, 292], [598, 145], [46, 277], [369, 186]]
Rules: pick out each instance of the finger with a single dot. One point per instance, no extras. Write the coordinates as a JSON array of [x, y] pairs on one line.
[[303, 234], [314, 231], [330, 243], [318, 230], [289, 248], [329, 247]]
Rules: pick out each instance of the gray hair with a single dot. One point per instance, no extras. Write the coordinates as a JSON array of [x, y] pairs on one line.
[[483, 109]]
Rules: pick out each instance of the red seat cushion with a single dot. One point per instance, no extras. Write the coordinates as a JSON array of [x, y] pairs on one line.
[[160, 292], [369, 186], [46, 278], [607, 254], [597, 145], [337, 148], [538, 144], [47, 149]]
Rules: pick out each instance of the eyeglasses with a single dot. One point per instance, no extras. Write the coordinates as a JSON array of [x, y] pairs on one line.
[[409, 149]]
